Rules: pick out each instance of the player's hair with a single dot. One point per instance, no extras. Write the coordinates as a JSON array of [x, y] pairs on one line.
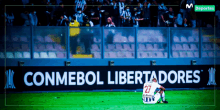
[[154, 79]]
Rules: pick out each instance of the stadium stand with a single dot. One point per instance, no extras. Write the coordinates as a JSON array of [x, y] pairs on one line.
[[151, 46]]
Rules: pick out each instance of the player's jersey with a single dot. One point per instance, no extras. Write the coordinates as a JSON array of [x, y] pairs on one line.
[[149, 88]]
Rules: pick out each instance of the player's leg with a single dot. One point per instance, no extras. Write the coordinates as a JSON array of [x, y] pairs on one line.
[[162, 95], [157, 97]]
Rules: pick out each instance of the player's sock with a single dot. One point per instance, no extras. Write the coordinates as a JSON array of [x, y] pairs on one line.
[[163, 96]]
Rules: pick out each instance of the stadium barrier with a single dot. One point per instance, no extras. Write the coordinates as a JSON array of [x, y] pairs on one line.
[[107, 77], [52, 46]]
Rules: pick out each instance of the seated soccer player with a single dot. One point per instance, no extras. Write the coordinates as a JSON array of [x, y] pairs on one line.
[[148, 93]]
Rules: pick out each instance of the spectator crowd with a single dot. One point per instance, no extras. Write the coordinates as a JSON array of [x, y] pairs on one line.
[[109, 13]]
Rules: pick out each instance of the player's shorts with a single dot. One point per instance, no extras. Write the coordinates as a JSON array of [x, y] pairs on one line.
[[151, 100]]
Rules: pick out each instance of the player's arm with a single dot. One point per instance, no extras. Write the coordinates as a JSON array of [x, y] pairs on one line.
[[143, 88], [143, 92], [162, 88]]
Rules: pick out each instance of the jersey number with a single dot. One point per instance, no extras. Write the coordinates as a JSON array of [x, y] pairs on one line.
[[148, 89]]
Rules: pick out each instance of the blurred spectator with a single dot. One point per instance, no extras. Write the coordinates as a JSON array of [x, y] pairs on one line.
[[52, 10], [115, 13], [96, 2], [110, 2], [168, 18], [179, 20], [137, 18], [74, 23], [80, 4], [90, 4], [186, 12], [74, 32], [43, 13], [25, 18], [9, 18], [154, 14], [86, 37], [200, 15], [161, 10], [61, 10], [139, 8], [94, 17], [126, 16], [121, 10], [105, 13], [185, 22], [88, 22], [121, 7], [193, 17], [80, 17], [130, 5], [110, 23], [138, 2], [183, 8], [101, 10], [146, 15], [109, 37], [63, 21], [107, 9], [135, 10], [33, 18], [217, 14]]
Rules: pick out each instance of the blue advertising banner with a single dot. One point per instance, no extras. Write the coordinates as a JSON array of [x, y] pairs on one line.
[[106, 77]]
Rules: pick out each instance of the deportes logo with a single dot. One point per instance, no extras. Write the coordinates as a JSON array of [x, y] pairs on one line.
[[211, 76], [10, 83]]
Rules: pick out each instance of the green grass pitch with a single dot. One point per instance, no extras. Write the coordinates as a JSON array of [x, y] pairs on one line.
[[178, 100]]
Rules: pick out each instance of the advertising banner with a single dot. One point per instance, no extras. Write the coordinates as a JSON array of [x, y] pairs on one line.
[[106, 77]]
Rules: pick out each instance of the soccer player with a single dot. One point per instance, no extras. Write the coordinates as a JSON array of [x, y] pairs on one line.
[[148, 93]]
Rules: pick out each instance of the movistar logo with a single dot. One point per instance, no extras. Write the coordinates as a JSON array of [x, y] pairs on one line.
[[189, 6]]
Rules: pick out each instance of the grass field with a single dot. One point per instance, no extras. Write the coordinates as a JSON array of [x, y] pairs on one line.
[[178, 100]]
